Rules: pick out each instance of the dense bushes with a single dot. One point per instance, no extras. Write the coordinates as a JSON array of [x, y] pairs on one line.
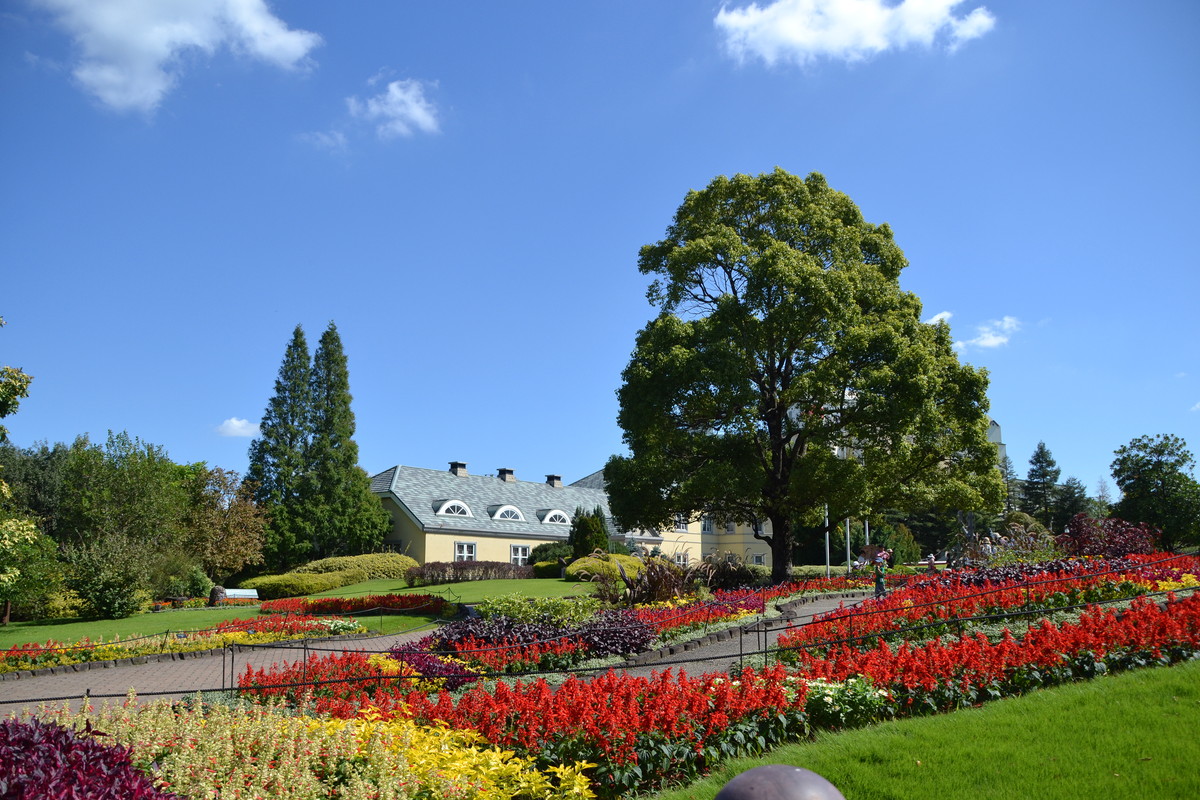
[[376, 565], [50, 762], [551, 551], [436, 572], [583, 569], [296, 584], [547, 569], [1110, 538]]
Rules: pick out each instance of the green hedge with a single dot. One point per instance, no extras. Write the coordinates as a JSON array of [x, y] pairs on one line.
[[547, 569], [591, 565], [376, 565], [298, 584]]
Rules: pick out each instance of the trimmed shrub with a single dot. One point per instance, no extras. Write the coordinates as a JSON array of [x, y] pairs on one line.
[[582, 569], [553, 610], [438, 572], [551, 551], [51, 762], [547, 569], [376, 565], [298, 584]]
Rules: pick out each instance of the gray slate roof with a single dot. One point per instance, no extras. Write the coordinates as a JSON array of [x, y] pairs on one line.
[[423, 491]]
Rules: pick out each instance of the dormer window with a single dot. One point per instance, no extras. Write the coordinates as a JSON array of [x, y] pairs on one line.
[[454, 508], [556, 517], [509, 513]]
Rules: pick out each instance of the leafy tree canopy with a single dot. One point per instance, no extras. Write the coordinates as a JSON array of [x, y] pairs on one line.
[[787, 370], [1154, 474]]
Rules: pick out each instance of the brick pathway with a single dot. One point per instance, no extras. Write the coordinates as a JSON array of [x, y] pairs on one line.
[[187, 674]]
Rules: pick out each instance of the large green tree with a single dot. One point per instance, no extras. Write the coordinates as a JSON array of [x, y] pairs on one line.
[[787, 372], [343, 515], [225, 526], [279, 459], [1040, 492], [1154, 474], [1071, 499]]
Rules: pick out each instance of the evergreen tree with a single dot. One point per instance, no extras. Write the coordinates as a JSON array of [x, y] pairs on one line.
[[1072, 499], [1041, 485], [279, 461], [1012, 484], [588, 532], [343, 516]]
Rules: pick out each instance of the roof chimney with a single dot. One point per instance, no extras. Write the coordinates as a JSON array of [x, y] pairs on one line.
[[554, 480], [458, 468], [507, 475]]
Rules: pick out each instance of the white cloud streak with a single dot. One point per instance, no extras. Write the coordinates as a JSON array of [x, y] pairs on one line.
[[1195, 407], [993, 333], [802, 31], [941, 316], [401, 109], [133, 52], [235, 426]]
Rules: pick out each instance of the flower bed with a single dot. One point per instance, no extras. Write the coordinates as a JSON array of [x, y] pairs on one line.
[[393, 603], [242, 631]]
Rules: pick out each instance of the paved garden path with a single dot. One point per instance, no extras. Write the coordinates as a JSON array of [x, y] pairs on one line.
[[183, 676]]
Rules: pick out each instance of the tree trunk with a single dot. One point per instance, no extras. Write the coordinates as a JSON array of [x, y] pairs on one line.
[[781, 549], [7, 612]]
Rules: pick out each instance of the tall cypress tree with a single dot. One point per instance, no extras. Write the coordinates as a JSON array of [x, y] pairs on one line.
[[344, 517], [1041, 485], [279, 459]]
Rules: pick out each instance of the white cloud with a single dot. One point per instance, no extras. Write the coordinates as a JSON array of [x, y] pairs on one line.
[[132, 52], [1195, 407], [333, 141], [399, 110], [941, 316], [801, 31], [993, 333], [235, 426]]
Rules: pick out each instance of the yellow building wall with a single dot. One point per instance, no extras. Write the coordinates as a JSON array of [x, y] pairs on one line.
[[440, 546]]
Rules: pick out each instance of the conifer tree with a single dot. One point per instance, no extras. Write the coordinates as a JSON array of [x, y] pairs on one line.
[[343, 516], [1041, 485], [279, 459]]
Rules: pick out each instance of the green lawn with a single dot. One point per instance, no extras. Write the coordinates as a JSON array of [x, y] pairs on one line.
[[468, 591], [1131, 735], [72, 630]]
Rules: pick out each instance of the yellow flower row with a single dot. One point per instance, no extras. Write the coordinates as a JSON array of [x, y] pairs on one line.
[[262, 752]]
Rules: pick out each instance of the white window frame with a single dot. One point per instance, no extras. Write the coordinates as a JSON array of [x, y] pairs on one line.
[[681, 523], [549, 518], [758, 559], [502, 509], [516, 556], [681, 559], [466, 551], [731, 527], [443, 510], [706, 524]]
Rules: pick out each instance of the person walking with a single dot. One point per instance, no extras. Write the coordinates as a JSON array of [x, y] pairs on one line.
[[880, 571]]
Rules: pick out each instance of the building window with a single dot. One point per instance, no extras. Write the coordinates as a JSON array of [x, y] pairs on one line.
[[758, 528], [757, 559], [556, 517], [731, 527], [509, 513], [706, 524], [519, 554], [681, 559], [681, 523], [464, 551], [454, 508]]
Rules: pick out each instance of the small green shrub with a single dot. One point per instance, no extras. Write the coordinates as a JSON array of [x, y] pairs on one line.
[[547, 569], [376, 565], [582, 569], [192, 583], [298, 584]]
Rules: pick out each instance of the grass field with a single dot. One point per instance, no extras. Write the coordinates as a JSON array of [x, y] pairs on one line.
[[72, 630], [1131, 736]]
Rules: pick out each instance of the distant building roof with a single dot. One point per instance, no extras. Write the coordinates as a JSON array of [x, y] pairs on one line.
[[488, 500]]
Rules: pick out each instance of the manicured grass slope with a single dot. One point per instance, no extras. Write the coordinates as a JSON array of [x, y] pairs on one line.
[[468, 591], [1132, 735]]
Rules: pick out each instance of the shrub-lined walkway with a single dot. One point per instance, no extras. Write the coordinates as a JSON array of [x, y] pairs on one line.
[[184, 676]]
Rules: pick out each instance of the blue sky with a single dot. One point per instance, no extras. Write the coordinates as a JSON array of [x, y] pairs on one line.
[[464, 187]]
